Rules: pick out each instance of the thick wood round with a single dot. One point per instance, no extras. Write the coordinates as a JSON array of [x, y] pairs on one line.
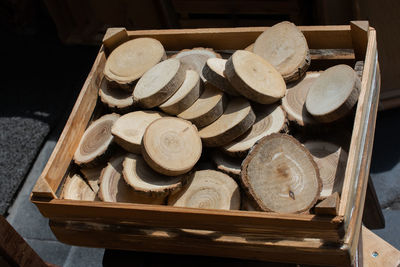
[[142, 178], [280, 175], [76, 188], [294, 101], [185, 96], [129, 61], [92, 176], [269, 120], [331, 160], [213, 72], [207, 108], [96, 140], [253, 77], [236, 120], [159, 83], [171, 146], [285, 47], [333, 94], [227, 164], [208, 189], [129, 129], [116, 99]]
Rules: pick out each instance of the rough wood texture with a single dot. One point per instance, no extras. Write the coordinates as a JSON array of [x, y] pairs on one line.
[[76, 188], [213, 72], [328, 206], [92, 176], [116, 99], [255, 78], [227, 164]]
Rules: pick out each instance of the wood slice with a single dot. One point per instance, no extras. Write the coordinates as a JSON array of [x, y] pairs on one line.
[[227, 164], [196, 58], [208, 189], [254, 78], [269, 120], [207, 108], [113, 187], [331, 161], [213, 72], [250, 47], [236, 120], [129, 61], [171, 146], [96, 141], [280, 175], [359, 68], [294, 101], [142, 178], [76, 188], [116, 99], [285, 47], [129, 129], [333, 94], [185, 96], [159, 83], [92, 176]]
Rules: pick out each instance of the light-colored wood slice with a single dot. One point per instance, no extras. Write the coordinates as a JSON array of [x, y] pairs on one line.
[[333, 94], [280, 175], [236, 120], [328, 206], [113, 187], [129, 61], [171, 146], [208, 189], [196, 58], [227, 164], [285, 47], [213, 72], [270, 120], [159, 83], [142, 178], [331, 160], [253, 77], [76, 188], [92, 176], [185, 96], [96, 141], [250, 47], [207, 108], [116, 99], [294, 101], [129, 129]]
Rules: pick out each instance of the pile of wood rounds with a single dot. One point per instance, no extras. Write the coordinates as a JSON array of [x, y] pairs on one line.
[[203, 131]]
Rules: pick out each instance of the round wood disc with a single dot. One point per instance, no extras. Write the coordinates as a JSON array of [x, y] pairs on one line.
[[227, 164], [115, 98], [96, 140], [294, 101], [285, 47], [254, 78], [333, 94], [129, 129], [92, 176], [129, 61], [171, 146], [236, 120], [213, 72], [269, 120], [159, 83], [113, 188], [281, 176], [142, 178], [185, 96], [76, 188], [331, 160], [208, 189], [207, 108]]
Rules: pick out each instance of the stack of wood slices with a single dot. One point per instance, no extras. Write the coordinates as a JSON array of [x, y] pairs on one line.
[[273, 134]]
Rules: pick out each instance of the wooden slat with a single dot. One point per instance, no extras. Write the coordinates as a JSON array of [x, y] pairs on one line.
[[359, 36]]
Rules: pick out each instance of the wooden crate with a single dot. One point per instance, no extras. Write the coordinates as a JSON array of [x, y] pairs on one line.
[[297, 238]]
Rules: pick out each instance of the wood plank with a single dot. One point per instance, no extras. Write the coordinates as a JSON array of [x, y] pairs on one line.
[[359, 36], [372, 216], [328, 206], [113, 38]]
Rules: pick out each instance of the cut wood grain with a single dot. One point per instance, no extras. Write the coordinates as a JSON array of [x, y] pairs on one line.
[[227, 164], [96, 141], [129, 61], [236, 120], [207, 108], [213, 72], [129, 129], [159, 83], [208, 189], [285, 47], [255, 78], [92, 176], [185, 96], [269, 120], [359, 68], [76, 188], [333, 94], [116, 99], [328, 206], [280, 175], [171, 146]]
